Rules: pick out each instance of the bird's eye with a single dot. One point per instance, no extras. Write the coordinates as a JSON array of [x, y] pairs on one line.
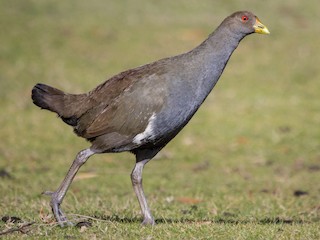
[[244, 18]]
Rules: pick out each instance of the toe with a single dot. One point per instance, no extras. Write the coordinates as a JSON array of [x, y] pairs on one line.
[[148, 221]]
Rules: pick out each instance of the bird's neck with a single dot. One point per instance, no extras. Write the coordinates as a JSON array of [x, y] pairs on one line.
[[213, 55], [224, 38], [219, 46]]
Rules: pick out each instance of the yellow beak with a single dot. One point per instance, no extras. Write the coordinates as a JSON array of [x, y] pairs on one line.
[[260, 28]]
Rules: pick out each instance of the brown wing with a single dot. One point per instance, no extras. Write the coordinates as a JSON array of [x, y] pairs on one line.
[[127, 111]]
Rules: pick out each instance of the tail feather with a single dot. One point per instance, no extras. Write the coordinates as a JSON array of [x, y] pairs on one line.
[[68, 106], [47, 97]]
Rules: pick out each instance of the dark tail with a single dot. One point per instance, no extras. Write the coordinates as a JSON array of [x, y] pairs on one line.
[[47, 97], [67, 106]]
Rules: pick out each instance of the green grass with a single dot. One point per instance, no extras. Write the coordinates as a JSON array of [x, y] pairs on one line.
[[230, 174]]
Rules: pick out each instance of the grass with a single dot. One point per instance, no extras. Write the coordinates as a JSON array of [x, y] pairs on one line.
[[246, 167]]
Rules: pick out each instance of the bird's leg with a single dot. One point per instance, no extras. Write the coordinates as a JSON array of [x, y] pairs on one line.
[[136, 179], [59, 194]]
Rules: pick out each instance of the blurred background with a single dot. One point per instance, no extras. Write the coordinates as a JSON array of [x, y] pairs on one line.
[[258, 132]]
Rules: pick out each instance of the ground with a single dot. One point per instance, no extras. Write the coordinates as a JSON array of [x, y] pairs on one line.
[[247, 166]]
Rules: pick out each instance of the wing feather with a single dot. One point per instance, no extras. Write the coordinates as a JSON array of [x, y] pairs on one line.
[[127, 112]]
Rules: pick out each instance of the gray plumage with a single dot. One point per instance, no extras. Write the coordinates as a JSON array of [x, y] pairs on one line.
[[140, 110]]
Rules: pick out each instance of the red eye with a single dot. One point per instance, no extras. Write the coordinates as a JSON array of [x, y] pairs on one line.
[[244, 18]]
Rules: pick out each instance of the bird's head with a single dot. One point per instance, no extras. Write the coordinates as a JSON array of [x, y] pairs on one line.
[[246, 23]]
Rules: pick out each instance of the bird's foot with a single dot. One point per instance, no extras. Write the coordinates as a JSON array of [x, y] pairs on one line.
[[56, 210], [148, 221]]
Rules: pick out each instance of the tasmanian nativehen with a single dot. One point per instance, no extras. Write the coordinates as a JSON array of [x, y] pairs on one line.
[[140, 110]]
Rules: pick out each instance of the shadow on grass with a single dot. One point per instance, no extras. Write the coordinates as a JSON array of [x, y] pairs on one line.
[[264, 221]]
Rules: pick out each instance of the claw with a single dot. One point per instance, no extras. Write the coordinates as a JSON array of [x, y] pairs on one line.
[[48, 193], [57, 212], [61, 218], [148, 221], [66, 224]]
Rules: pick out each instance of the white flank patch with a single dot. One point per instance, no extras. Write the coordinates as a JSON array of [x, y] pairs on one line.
[[148, 132]]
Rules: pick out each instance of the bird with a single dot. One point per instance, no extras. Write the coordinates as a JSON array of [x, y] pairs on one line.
[[141, 109]]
